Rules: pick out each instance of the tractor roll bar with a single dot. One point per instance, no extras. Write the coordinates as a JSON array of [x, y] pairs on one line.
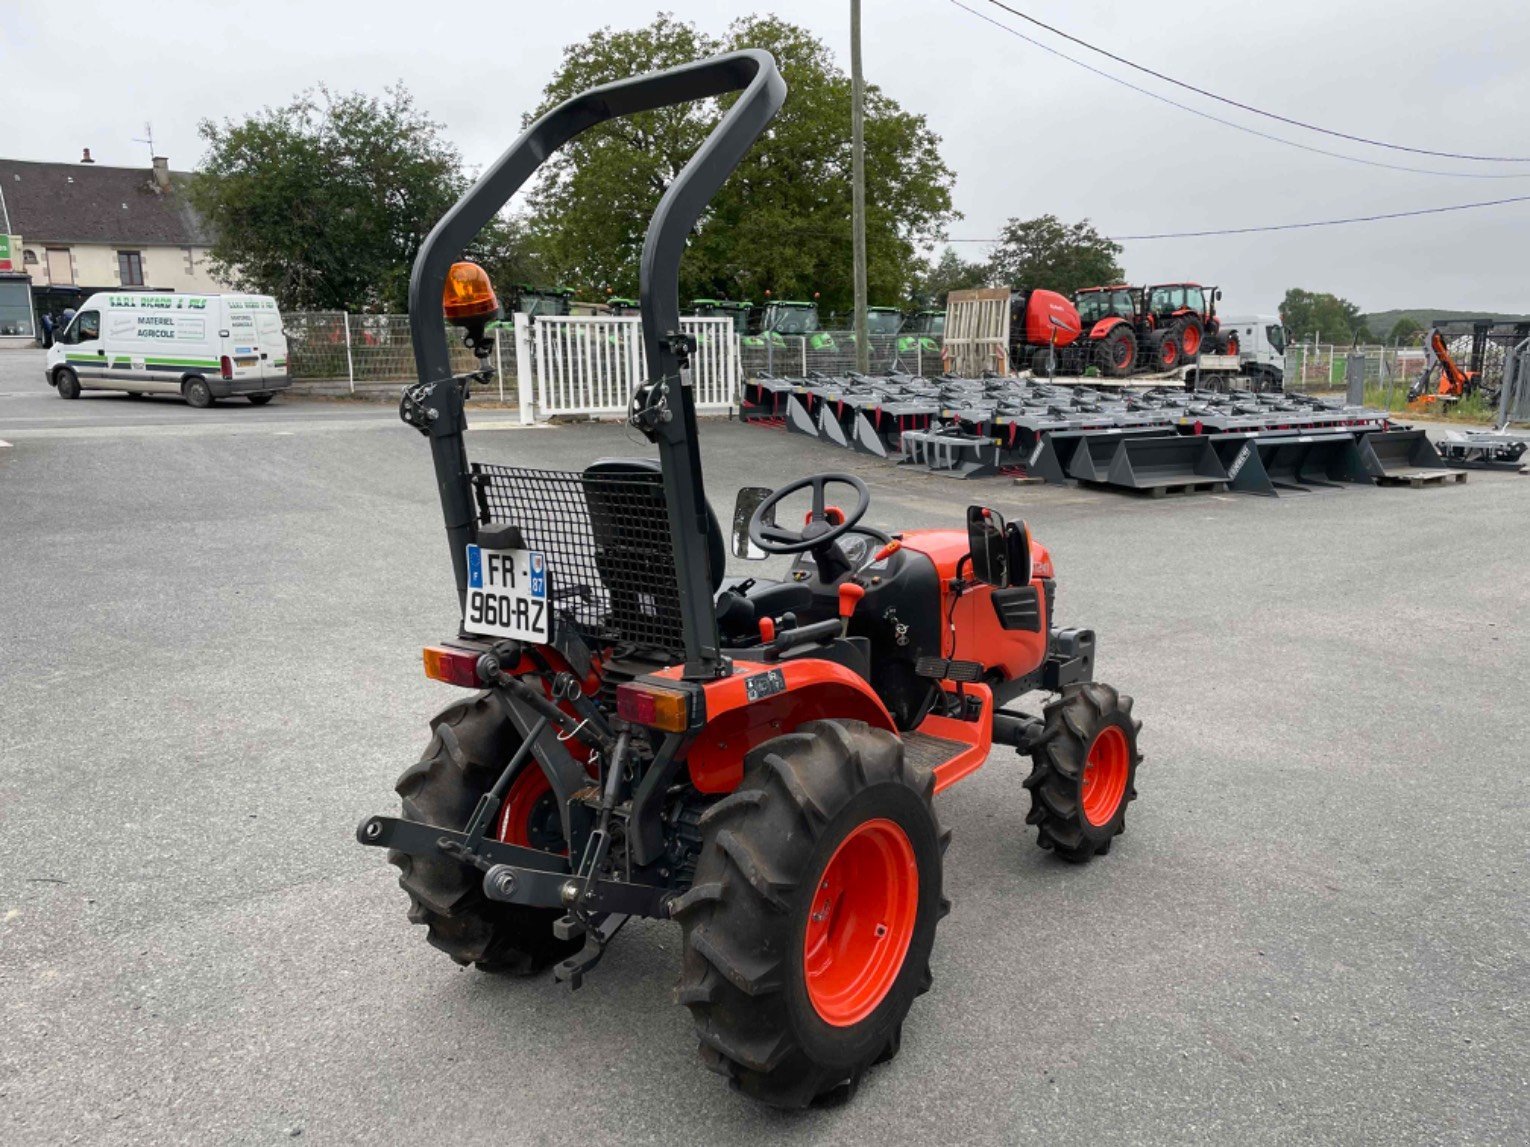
[[764, 91]]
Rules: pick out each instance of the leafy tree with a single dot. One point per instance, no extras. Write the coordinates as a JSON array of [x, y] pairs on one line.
[[1046, 252], [325, 202], [1308, 313], [782, 222], [1405, 330], [950, 272]]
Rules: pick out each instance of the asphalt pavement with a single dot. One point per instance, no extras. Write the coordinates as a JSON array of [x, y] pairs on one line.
[[1314, 929]]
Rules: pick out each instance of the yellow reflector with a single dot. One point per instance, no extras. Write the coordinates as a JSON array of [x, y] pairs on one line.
[[663, 709], [468, 293]]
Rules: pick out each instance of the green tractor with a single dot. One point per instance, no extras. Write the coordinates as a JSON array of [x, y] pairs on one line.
[[734, 309], [880, 321], [791, 318], [530, 300], [923, 332]]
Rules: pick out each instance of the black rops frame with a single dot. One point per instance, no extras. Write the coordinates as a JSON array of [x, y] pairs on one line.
[[665, 350]]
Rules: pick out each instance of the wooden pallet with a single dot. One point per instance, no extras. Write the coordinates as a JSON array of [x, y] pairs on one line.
[[1418, 479]]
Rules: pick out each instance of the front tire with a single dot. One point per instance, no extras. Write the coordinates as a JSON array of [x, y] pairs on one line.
[[1084, 772], [68, 383], [809, 926], [1117, 352], [474, 740]]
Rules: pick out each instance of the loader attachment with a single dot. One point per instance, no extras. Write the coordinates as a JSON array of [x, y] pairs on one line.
[[1398, 455]]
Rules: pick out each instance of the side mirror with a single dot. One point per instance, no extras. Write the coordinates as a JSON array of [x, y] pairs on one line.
[[749, 500], [989, 546], [1216, 295]]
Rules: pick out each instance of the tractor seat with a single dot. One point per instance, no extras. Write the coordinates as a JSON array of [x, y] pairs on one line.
[[608, 519]]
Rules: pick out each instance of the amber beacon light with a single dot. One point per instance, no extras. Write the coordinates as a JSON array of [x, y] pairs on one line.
[[469, 294]]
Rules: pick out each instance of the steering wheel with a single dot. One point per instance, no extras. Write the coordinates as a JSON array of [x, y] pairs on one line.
[[819, 531]]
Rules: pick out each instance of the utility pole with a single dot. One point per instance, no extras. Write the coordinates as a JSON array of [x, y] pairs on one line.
[[858, 186]]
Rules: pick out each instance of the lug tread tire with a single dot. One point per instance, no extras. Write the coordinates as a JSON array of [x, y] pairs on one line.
[[740, 914], [1069, 727], [472, 741]]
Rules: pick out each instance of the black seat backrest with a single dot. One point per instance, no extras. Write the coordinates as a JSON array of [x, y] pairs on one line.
[[717, 546]]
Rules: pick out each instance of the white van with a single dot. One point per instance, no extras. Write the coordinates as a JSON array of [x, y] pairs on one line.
[[202, 347]]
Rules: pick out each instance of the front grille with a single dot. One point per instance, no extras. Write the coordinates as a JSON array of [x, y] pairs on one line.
[[605, 535]]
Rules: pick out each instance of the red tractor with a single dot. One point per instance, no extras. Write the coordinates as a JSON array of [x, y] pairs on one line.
[[1158, 328], [756, 759]]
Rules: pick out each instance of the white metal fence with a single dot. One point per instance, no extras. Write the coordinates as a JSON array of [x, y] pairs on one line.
[[550, 366], [591, 364]]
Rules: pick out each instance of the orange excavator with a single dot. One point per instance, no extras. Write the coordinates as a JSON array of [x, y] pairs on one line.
[[1443, 382]]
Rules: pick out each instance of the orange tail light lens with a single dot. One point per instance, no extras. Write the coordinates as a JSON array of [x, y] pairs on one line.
[[664, 709], [468, 294], [453, 666]]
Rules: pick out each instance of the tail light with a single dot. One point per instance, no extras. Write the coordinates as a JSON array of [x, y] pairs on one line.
[[654, 706], [226, 367], [453, 666]]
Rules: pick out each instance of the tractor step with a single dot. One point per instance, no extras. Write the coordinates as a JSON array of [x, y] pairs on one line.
[[926, 752]]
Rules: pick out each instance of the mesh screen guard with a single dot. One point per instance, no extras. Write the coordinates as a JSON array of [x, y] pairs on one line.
[[606, 538]]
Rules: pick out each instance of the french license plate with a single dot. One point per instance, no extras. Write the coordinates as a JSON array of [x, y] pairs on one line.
[[246, 361], [507, 595]]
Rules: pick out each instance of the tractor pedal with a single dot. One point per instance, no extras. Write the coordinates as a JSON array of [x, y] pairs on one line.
[[949, 669]]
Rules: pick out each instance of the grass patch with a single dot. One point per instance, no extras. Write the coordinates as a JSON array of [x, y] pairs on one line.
[[1472, 408]]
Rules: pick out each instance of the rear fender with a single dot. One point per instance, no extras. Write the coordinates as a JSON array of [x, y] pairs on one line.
[[760, 701]]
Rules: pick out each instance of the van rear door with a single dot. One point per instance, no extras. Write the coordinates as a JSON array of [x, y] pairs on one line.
[[272, 340]]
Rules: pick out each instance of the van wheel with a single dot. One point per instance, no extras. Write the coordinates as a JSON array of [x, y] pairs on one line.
[[259, 399], [198, 393], [68, 383], [135, 394]]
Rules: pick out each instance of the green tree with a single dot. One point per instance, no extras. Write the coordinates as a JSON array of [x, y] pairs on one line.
[[1309, 313], [1405, 330], [939, 277], [324, 202], [782, 222], [1046, 252]]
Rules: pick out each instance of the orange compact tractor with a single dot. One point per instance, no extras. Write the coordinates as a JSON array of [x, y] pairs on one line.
[[755, 759]]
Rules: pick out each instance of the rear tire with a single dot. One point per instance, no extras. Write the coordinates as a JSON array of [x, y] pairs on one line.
[[1084, 772], [474, 740], [68, 383], [197, 393], [794, 996], [259, 399]]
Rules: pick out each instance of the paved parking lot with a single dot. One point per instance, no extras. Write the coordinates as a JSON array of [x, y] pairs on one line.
[[1314, 929]]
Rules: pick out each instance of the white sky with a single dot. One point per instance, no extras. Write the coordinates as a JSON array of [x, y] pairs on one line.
[[1025, 133]]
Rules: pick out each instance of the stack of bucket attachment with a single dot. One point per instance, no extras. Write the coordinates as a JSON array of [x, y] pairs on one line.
[[1153, 440]]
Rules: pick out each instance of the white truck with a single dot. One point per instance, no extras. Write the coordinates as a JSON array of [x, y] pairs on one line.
[[1261, 349], [201, 347]]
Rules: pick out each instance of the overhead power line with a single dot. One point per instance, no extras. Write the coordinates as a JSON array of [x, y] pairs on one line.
[[1231, 123], [1295, 226], [1254, 110]]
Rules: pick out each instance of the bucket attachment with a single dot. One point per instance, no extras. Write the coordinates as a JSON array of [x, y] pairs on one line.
[[829, 428], [1158, 465], [1301, 463], [1395, 455], [798, 420], [864, 437], [1049, 458]]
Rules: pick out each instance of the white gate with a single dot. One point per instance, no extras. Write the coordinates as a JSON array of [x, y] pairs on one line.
[[591, 364]]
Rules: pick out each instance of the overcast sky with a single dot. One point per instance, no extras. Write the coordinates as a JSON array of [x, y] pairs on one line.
[[1025, 132]]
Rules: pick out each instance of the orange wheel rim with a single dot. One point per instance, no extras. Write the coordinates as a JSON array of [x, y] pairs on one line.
[[1192, 340], [1105, 776], [860, 922], [529, 817]]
